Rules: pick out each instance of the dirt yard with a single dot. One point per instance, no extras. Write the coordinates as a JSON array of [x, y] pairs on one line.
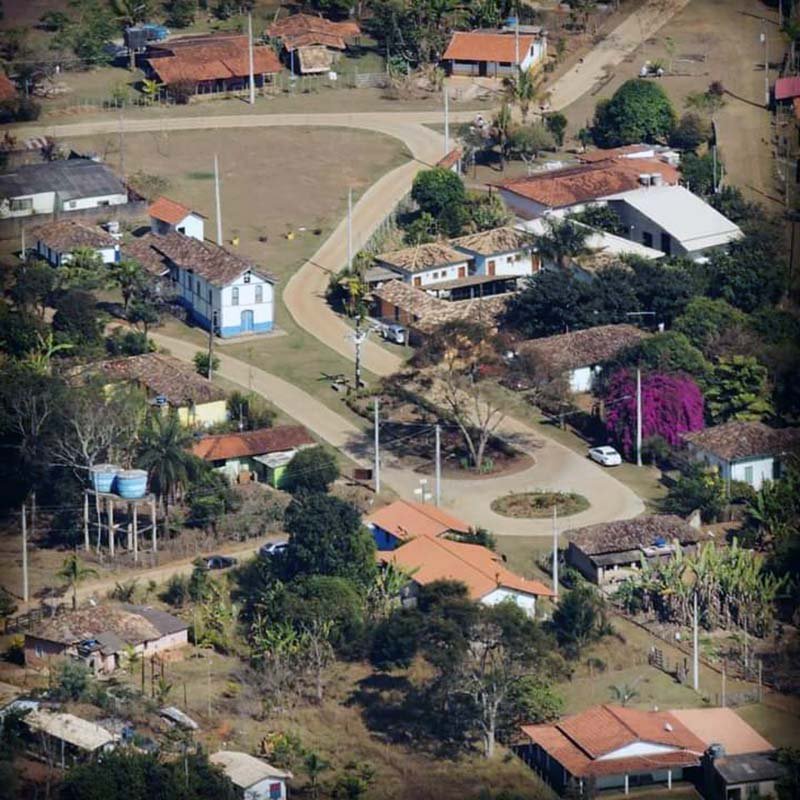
[[714, 40]]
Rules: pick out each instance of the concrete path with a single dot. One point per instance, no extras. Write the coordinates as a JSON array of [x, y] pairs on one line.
[[639, 26]]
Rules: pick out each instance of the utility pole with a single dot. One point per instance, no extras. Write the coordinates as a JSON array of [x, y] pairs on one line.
[[516, 40], [638, 417], [250, 57], [349, 230], [446, 121], [765, 40], [216, 200], [695, 649], [377, 447], [211, 346], [23, 244], [555, 549], [24, 554], [121, 144], [724, 682], [438, 465]]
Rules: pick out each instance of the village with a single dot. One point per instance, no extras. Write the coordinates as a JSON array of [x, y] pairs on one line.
[[399, 400]]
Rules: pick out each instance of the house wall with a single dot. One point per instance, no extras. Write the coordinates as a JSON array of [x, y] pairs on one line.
[[437, 274], [39, 652], [516, 263], [110, 255], [754, 471], [637, 749], [203, 415], [268, 789], [522, 206], [751, 790], [170, 641], [578, 559], [639, 228], [527, 602], [583, 378], [192, 225], [82, 203]]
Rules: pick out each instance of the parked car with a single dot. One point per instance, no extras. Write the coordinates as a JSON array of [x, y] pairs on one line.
[[605, 455], [220, 562], [394, 333], [271, 549]]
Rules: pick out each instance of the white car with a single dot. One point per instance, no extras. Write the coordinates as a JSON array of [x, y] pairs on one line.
[[272, 549], [605, 455]]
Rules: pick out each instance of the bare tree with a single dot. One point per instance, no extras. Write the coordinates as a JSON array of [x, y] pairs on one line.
[[317, 652]]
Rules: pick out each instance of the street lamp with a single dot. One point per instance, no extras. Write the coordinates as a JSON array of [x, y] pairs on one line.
[[763, 39]]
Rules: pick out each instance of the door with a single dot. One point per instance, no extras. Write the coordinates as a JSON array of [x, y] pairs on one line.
[[417, 281], [462, 272], [247, 321], [491, 268]]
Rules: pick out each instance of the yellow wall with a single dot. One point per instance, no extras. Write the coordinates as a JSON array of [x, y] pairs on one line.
[[204, 414]]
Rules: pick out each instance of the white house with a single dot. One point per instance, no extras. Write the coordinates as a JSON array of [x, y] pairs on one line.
[[219, 288], [430, 558], [59, 186], [673, 220], [426, 264], [167, 216], [494, 54], [751, 452], [501, 251], [253, 778], [56, 241]]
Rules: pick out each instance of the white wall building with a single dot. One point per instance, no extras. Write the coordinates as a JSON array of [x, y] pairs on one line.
[[253, 778], [501, 252], [56, 241], [219, 288], [494, 54], [167, 216], [59, 187], [426, 264]]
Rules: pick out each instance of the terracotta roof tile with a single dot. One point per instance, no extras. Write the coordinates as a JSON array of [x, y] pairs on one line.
[[405, 520], [478, 568], [451, 159], [584, 348], [480, 46], [632, 534], [8, 91], [492, 242], [168, 210], [585, 182], [612, 153], [141, 250], [735, 440], [252, 443], [423, 256], [299, 30], [723, 726], [67, 235]]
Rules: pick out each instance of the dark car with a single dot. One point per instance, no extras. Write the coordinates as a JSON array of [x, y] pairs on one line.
[[220, 562]]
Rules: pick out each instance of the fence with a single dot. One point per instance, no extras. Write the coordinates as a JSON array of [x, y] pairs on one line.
[[27, 620]]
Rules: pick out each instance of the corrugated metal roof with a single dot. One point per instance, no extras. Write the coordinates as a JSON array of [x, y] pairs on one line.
[[71, 729], [72, 178], [245, 770]]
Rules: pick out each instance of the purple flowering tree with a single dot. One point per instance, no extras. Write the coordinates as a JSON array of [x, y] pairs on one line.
[[671, 405]]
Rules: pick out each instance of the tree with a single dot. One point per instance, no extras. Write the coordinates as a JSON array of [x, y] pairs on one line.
[[85, 270], [181, 13], [209, 498], [327, 538], [313, 469], [671, 406], [788, 785], [664, 286], [524, 89], [71, 679], [435, 190], [556, 123], [395, 640], [562, 241], [33, 285], [421, 230], [129, 276], [76, 322], [73, 573], [205, 364], [485, 212], [737, 390], [528, 141], [690, 132], [669, 353], [695, 489], [7, 605], [163, 453], [314, 766], [639, 111], [705, 319], [579, 619], [502, 127], [698, 172], [19, 330], [250, 411]]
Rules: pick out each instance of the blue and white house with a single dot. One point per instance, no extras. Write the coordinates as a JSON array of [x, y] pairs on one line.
[[219, 289], [501, 252], [57, 241]]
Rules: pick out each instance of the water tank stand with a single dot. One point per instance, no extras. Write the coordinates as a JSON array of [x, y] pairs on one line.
[[104, 525]]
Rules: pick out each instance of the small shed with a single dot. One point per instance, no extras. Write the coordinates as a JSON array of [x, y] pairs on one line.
[[75, 738], [253, 778]]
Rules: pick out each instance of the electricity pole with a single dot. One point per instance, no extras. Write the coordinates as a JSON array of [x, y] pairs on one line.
[[516, 40], [765, 40], [349, 230], [24, 554], [250, 56], [377, 448], [555, 549], [216, 200], [438, 465], [446, 121], [211, 344], [695, 649], [638, 417]]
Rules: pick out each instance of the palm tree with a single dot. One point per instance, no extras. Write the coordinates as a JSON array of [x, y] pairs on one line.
[[623, 693], [73, 572], [40, 359], [563, 240], [150, 89], [501, 131], [164, 454], [524, 89], [314, 766], [129, 276]]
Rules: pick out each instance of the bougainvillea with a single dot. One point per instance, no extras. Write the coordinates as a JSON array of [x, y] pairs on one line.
[[671, 405]]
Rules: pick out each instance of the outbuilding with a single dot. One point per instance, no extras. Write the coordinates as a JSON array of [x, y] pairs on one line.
[[57, 241], [426, 264], [69, 738], [167, 216], [253, 778], [494, 54]]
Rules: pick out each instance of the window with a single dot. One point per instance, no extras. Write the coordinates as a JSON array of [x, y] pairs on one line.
[[26, 204], [73, 204], [209, 295], [647, 239], [197, 287], [748, 475], [235, 296], [666, 243], [38, 650], [247, 277], [259, 294]]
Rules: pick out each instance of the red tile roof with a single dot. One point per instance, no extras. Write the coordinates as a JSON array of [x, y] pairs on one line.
[[208, 58], [168, 211], [580, 184], [477, 567], [787, 88], [405, 519], [8, 91], [451, 159], [479, 46], [67, 235], [583, 743], [252, 443], [723, 726], [300, 30], [735, 440]]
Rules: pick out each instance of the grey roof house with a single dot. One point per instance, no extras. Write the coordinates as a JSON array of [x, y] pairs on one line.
[[76, 184]]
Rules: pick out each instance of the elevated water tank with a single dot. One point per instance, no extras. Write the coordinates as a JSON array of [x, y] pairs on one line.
[[102, 476], [131, 484]]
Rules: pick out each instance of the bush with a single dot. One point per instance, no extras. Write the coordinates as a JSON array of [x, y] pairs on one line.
[[690, 132], [176, 592], [201, 362], [129, 343], [395, 640], [696, 489], [72, 679], [639, 111], [313, 469], [182, 91]]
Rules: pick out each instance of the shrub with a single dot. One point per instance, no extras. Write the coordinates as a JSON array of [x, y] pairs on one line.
[[690, 132], [639, 111], [313, 469], [182, 91], [72, 679], [201, 363], [176, 591]]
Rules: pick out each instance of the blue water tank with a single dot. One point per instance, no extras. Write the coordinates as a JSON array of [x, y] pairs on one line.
[[511, 22], [102, 476], [131, 483]]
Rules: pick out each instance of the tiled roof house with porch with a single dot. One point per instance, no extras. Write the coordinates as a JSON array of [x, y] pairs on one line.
[[494, 54], [426, 264], [403, 520]]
